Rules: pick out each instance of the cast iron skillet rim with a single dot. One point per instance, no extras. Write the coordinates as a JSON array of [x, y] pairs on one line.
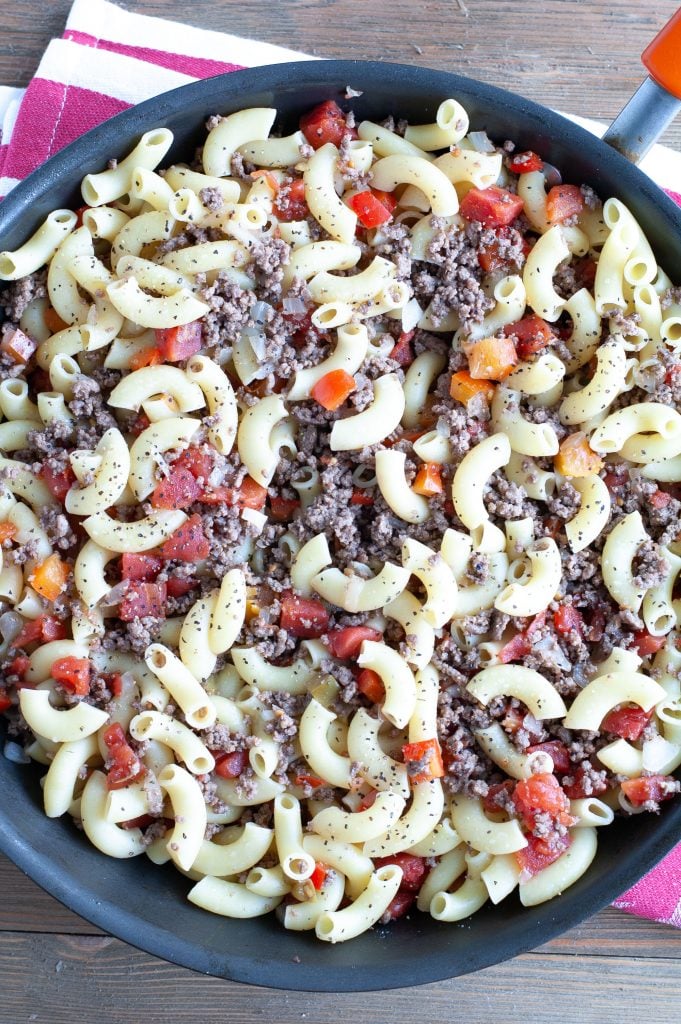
[[537, 925]]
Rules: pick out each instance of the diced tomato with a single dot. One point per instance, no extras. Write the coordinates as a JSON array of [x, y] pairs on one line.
[[531, 334], [402, 351], [140, 423], [494, 206], [371, 685], [58, 482], [615, 478], [538, 854], [660, 498], [73, 673], [517, 647], [413, 869], [541, 794], [318, 875], [496, 254], [400, 904], [230, 766], [309, 780], [143, 599], [423, 760], [114, 681], [303, 616], [563, 201], [198, 460], [188, 543], [178, 586], [248, 495], [525, 163], [627, 722], [177, 491], [578, 789], [360, 496], [649, 787], [428, 480], [126, 766], [646, 644], [5, 700], [19, 666], [146, 357], [325, 123], [492, 801], [371, 212], [140, 568], [290, 202], [176, 343], [368, 800], [347, 642], [558, 753], [17, 345], [283, 509], [567, 619], [387, 198], [333, 388]]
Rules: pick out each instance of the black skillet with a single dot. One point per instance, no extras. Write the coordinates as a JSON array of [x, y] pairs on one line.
[[146, 905]]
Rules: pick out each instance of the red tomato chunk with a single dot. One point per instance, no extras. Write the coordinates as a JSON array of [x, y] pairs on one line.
[[45, 628], [126, 766], [143, 599], [584, 785], [494, 207], [230, 766], [524, 163], [283, 509], [531, 334], [290, 203], [646, 644], [5, 701], [402, 351], [400, 904], [413, 869], [541, 794], [58, 482], [627, 722], [318, 875], [325, 123], [371, 212], [423, 760], [347, 642], [539, 853], [179, 490], [140, 568], [567, 619], [188, 543], [558, 753], [371, 685], [563, 201], [650, 787], [303, 616], [176, 343], [73, 673]]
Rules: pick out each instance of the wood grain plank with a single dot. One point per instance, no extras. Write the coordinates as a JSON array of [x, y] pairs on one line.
[[580, 58], [88, 978]]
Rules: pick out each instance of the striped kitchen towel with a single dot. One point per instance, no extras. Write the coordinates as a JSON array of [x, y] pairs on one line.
[[109, 59]]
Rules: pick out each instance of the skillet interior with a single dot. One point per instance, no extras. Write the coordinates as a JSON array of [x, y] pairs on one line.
[[146, 905]]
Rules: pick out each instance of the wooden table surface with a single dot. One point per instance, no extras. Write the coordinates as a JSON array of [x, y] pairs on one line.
[[55, 967]]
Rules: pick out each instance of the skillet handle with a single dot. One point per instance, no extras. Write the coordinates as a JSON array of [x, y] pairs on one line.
[[656, 102]]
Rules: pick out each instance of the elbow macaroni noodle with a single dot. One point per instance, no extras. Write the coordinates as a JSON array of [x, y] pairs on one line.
[[300, 558]]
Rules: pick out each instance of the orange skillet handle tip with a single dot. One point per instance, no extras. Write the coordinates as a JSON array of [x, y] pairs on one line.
[[662, 57]]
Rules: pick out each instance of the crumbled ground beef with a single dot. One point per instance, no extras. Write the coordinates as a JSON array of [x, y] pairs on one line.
[[650, 568], [17, 295], [458, 276]]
